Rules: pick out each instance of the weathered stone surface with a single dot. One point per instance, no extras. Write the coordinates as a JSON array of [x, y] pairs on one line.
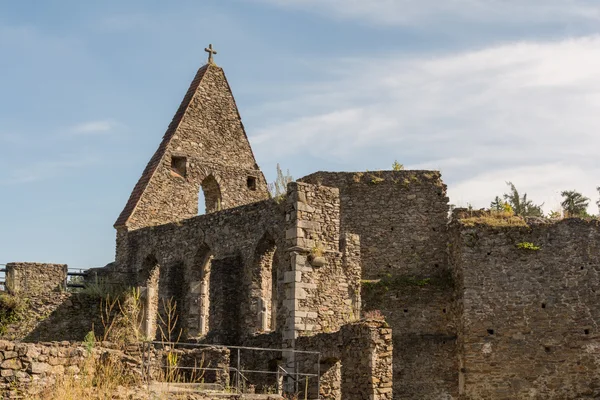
[[205, 148], [35, 278], [528, 318]]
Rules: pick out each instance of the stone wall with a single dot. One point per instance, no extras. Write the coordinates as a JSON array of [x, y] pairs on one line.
[[55, 317], [420, 313], [322, 284], [527, 301], [400, 216], [35, 278], [27, 365], [218, 249], [204, 148], [355, 362]]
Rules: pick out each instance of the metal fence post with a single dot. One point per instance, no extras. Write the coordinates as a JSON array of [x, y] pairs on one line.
[[297, 377], [239, 375], [319, 376]]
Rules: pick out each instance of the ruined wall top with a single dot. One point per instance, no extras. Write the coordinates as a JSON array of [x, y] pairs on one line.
[[35, 278], [204, 148]]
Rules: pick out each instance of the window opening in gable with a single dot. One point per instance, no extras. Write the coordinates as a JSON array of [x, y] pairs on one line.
[[251, 182], [179, 165]]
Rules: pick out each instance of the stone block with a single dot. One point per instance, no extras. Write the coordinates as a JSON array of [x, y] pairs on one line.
[[39, 368]]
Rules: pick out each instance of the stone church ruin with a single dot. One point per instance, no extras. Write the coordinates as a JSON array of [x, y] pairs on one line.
[[468, 314]]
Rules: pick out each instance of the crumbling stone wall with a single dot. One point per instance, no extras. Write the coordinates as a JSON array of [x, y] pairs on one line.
[[420, 313], [35, 366], [400, 216], [528, 317], [217, 249], [322, 282], [35, 278], [204, 148], [356, 361]]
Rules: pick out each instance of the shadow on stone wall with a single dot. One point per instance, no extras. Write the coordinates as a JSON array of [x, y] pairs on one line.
[[69, 316]]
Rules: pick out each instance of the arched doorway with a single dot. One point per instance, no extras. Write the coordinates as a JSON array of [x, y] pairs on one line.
[[209, 196], [197, 299]]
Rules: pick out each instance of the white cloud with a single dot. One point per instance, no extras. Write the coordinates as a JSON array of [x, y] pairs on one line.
[[525, 112], [93, 127], [46, 169], [411, 12]]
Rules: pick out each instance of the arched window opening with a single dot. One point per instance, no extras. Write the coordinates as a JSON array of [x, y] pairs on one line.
[[264, 284], [198, 296], [209, 196], [170, 302]]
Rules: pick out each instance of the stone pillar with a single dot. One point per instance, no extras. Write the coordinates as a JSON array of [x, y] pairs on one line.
[[263, 315], [367, 361], [203, 308]]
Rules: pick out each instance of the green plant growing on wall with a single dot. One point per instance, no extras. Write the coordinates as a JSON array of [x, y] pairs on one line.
[[375, 180], [89, 341], [528, 246], [317, 250], [357, 177], [278, 188], [520, 204], [554, 214], [11, 310], [396, 166]]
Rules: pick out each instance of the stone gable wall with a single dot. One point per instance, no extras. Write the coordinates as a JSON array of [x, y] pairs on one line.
[[527, 324], [211, 139]]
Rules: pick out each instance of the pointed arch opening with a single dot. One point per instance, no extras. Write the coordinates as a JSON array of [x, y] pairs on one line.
[[198, 293], [170, 302], [209, 196], [263, 296]]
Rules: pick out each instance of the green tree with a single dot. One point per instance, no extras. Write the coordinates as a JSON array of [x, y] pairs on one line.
[[497, 204], [278, 188], [598, 202], [521, 205], [574, 204]]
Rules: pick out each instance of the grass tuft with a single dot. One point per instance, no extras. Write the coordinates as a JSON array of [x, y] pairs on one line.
[[495, 218]]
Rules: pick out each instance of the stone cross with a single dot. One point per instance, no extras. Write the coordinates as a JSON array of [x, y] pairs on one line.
[[210, 52]]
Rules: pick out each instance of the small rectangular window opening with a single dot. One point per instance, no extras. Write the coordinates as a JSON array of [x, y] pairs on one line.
[[251, 182], [179, 165]]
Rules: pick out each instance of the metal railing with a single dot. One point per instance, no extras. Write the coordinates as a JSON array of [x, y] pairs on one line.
[[237, 373]]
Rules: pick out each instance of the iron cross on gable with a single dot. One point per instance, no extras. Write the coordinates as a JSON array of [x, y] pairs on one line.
[[210, 52]]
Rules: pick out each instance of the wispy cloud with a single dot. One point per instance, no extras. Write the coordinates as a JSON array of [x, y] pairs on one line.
[[412, 12], [525, 112], [41, 170], [93, 127]]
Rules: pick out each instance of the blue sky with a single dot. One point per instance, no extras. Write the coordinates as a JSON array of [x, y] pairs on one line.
[[485, 90]]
